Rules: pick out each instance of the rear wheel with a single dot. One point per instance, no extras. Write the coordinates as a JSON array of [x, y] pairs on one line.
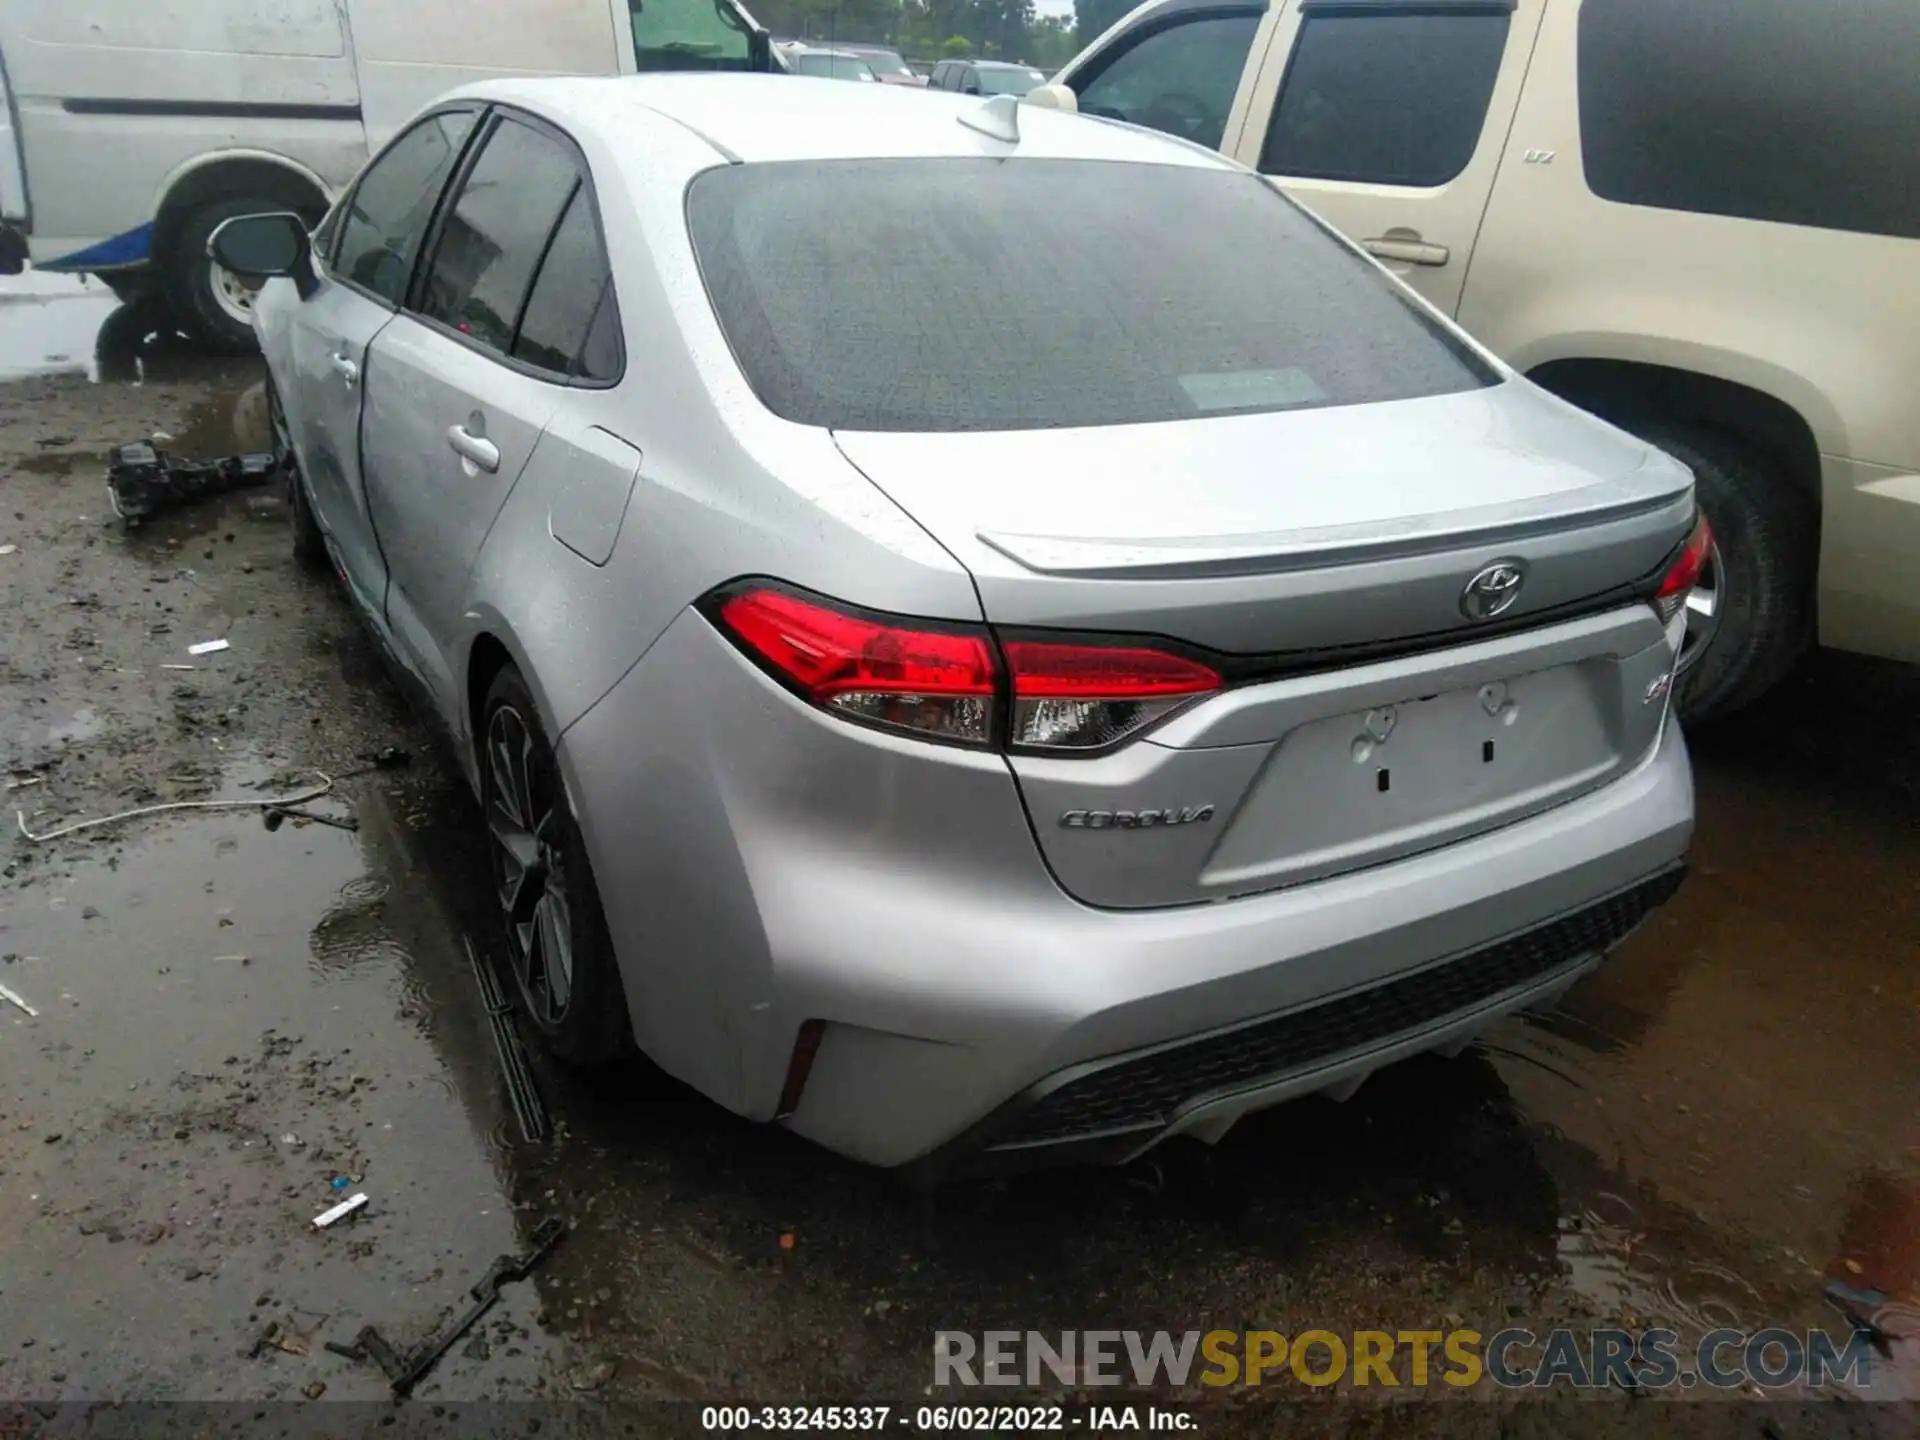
[[557, 941], [1752, 616]]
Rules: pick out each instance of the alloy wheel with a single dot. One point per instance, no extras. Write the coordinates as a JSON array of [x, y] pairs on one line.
[[1705, 604], [524, 820]]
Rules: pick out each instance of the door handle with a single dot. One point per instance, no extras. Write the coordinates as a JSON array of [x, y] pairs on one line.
[[474, 448], [1407, 247], [344, 368]]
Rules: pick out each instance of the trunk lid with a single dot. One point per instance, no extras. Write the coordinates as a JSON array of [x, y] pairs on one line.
[[1337, 545]]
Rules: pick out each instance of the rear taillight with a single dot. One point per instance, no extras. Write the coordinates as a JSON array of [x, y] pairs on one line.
[[938, 682], [1086, 697], [1685, 573], [950, 681]]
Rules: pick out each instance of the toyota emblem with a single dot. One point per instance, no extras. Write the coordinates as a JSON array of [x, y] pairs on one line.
[[1493, 591]]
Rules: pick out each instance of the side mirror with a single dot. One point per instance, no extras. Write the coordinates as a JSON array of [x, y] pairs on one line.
[[261, 247], [1053, 97]]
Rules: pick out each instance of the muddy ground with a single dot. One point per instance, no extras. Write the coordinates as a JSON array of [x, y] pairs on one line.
[[232, 1019]]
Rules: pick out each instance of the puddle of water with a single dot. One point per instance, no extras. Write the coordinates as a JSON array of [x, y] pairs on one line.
[[54, 325], [229, 1020], [52, 334]]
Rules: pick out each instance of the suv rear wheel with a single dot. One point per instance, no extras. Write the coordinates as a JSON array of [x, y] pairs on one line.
[[1752, 616]]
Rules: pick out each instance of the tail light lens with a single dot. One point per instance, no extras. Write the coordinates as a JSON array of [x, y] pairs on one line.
[[947, 681], [1086, 697], [937, 682], [1685, 574]]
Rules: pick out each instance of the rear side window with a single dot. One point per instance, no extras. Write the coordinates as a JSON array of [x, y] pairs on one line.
[[384, 220], [1386, 97], [570, 291], [962, 294], [497, 232], [1803, 113], [1179, 79]]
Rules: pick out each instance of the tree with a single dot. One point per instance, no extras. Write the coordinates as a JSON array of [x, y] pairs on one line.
[[956, 47], [1092, 17]]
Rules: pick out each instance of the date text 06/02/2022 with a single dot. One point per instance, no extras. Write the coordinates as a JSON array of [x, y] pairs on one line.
[[991, 1419]]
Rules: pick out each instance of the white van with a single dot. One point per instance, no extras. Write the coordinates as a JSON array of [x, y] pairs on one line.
[[129, 130]]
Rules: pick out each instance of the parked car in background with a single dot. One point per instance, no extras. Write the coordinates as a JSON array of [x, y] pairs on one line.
[[887, 66], [1099, 692], [827, 64], [1700, 221], [129, 131], [984, 77]]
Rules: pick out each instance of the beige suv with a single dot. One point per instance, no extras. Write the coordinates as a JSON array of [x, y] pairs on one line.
[[1699, 220]]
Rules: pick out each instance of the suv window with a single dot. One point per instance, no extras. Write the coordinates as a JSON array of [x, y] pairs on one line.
[[688, 35], [574, 284], [960, 294], [1803, 114], [1387, 97], [384, 219], [1179, 78], [497, 231]]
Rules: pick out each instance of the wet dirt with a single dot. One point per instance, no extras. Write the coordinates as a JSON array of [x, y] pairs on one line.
[[232, 1019]]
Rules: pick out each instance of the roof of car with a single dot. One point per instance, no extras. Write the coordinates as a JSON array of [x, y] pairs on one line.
[[758, 118], [997, 65]]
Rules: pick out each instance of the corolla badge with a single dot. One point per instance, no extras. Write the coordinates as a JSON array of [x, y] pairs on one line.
[[1136, 819], [1493, 591]]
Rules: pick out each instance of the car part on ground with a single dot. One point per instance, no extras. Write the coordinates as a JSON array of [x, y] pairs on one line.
[[143, 481], [945, 709], [404, 1372]]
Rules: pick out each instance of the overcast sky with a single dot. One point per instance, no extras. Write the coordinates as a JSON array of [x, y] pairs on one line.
[[1053, 7]]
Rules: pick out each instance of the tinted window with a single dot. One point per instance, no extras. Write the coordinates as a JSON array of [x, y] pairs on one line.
[[1179, 79], [496, 233], [1803, 113], [1390, 99], [1007, 82], [687, 35], [962, 295], [386, 217], [565, 297], [831, 67]]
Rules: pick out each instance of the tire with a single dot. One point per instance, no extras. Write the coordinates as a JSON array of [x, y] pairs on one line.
[[1762, 570], [534, 841], [309, 543], [205, 297]]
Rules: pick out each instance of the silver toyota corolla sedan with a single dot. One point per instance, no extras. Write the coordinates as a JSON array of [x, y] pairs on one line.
[[981, 635]]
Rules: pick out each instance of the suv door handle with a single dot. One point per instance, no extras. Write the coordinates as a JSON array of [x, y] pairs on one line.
[[475, 448], [344, 368], [1407, 247]]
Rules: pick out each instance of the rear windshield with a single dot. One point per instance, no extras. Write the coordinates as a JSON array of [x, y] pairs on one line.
[[964, 294]]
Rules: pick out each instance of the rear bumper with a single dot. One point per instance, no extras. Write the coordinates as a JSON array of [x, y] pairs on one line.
[[763, 865], [1110, 1110]]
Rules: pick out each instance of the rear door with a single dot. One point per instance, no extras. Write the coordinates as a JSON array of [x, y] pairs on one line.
[[367, 252], [459, 393], [1390, 120]]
